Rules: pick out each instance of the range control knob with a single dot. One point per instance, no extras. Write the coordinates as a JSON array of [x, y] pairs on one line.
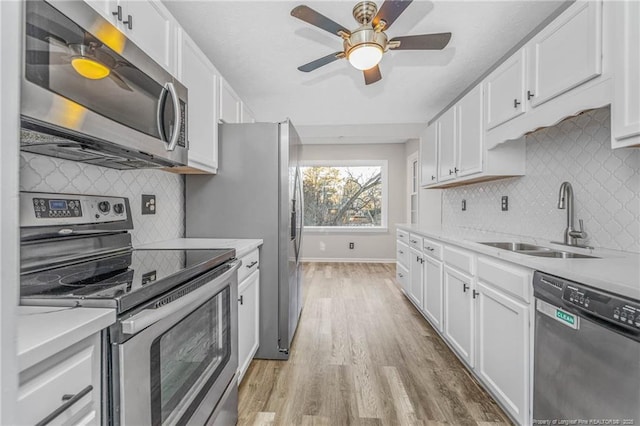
[[118, 208], [104, 206]]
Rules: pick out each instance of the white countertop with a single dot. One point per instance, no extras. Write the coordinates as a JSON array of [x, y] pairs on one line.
[[242, 246], [615, 271], [44, 331]]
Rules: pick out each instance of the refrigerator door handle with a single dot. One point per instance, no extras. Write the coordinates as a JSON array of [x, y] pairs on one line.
[[294, 215]]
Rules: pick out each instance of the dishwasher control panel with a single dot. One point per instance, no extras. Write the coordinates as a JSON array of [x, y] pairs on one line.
[[607, 306]]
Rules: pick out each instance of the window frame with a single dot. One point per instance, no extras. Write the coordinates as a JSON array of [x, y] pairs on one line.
[[384, 165]]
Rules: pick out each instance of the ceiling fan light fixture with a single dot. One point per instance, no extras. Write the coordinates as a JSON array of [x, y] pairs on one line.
[[90, 68], [365, 56]]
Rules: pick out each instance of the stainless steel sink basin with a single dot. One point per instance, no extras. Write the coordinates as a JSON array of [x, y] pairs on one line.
[[515, 246], [538, 251]]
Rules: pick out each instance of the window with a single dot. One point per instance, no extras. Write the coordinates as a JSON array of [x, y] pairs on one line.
[[345, 195]]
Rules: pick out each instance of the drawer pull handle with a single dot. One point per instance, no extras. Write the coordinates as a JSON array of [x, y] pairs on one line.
[[430, 248], [401, 252], [475, 294], [252, 264], [465, 287], [70, 400], [414, 241], [400, 275], [241, 300]]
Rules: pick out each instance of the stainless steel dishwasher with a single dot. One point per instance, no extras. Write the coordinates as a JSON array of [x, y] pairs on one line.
[[586, 355]]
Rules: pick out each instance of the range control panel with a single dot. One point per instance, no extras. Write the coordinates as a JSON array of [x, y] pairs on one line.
[[617, 310], [42, 209]]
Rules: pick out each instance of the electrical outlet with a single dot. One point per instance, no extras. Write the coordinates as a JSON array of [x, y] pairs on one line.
[[464, 205], [148, 204], [352, 246], [505, 203]]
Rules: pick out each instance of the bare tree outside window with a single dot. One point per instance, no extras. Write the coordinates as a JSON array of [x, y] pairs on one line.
[[345, 196]]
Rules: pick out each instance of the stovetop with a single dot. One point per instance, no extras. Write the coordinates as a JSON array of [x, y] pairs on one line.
[[122, 280]]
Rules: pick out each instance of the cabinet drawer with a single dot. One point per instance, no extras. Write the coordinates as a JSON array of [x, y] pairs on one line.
[[403, 254], [402, 236], [505, 276], [415, 241], [43, 386], [460, 259], [431, 248], [250, 262], [402, 276]]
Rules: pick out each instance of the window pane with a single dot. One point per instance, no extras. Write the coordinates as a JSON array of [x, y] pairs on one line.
[[342, 196]]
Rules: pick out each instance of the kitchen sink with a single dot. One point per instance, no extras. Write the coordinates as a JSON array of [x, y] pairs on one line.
[[538, 251]]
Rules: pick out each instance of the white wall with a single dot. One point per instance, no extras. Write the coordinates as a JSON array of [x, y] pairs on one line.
[[374, 246], [606, 186]]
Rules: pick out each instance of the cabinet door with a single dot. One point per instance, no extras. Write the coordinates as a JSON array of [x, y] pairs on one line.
[[200, 77], [470, 132], [433, 291], [566, 53], [415, 287], [458, 310], [429, 155], [447, 145], [625, 109], [153, 30], [503, 348], [106, 8], [402, 276], [248, 321], [504, 90], [229, 103]]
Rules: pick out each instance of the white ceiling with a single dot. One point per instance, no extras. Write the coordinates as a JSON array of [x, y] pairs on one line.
[[257, 46]]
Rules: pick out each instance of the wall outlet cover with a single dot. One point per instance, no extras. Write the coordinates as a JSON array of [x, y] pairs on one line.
[[505, 203], [352, 246], [464, 205], [148, 204]]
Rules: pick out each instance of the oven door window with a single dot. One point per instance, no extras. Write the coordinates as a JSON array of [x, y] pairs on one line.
[[187, 358], [85, 66]]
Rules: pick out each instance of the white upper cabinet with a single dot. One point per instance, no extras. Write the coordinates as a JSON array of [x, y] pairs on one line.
[[246, 115], [230, 103], [566, 53], [470, 133], [200, 77], [625, 109], [145, 22], [505, 91], [447, 145], [428, 155]]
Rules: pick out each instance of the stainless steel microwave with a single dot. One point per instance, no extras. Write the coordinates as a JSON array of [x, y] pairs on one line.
[[91, 95]]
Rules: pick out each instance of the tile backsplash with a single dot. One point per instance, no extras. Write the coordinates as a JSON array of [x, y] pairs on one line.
[[606, 186], [48, 174]]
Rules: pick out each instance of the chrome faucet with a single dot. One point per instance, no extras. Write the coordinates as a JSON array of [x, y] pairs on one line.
[[565, 201]]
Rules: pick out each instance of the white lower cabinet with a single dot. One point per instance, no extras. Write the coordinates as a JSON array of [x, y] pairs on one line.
[[433, 291], [502, 348], [70, 379], [415, 287], [458, 312], [248, 321]]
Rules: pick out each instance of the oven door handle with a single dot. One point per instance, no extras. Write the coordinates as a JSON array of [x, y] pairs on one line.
[[144, 319]]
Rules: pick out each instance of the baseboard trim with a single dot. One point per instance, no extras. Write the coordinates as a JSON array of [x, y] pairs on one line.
[[345, 260]]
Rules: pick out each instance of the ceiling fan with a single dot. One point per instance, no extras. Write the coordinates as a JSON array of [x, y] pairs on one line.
[[365, 45], [89, 58]]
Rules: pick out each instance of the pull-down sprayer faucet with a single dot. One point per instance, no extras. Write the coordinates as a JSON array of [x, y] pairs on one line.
[[565, 201]]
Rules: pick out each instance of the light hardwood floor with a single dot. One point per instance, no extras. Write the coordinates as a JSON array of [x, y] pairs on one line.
[[363, 355]]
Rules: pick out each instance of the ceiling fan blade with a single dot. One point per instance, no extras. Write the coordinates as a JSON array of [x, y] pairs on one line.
[[422, 42], [43, 57], [312, 17], [119, 81], [389, 12], [372, 75], [313, 65]]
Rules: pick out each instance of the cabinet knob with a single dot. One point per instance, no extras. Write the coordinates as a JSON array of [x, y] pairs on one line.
[[118, 13], [530, 95], [129, 22], [515, 103]]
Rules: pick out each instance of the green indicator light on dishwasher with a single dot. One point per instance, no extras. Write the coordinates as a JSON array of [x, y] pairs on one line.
[[569, 319]]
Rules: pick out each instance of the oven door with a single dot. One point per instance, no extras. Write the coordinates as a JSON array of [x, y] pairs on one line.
[[182, 356], [83, 78]]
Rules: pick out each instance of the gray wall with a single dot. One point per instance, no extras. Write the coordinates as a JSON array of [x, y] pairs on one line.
[[606, 184], [378, 246], [429, 200]]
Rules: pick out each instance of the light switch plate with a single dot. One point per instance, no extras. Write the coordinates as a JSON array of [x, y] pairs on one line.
[[148, 204]]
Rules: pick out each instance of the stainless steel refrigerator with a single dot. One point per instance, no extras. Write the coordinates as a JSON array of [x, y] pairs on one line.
[[257, 193]]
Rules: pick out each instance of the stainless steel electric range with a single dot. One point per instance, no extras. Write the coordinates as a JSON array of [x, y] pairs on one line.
[[171, 357]]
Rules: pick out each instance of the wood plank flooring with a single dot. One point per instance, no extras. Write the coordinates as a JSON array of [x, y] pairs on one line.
[[363, 355]]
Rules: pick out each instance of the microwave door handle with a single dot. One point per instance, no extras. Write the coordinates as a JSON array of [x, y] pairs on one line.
[[178, 121], [147, 317], [160, 116]]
